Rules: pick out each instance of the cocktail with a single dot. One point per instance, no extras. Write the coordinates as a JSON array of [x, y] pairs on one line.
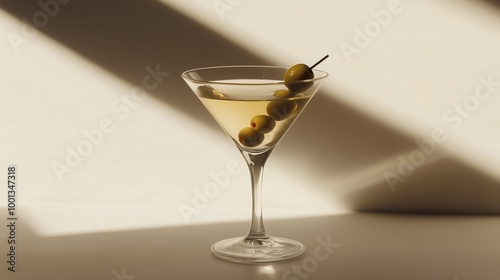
[[255, 106]]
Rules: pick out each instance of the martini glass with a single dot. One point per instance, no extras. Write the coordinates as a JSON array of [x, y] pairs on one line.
[[255, 108]]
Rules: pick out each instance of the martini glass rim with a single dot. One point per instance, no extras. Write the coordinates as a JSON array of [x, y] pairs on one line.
[[185, 75]]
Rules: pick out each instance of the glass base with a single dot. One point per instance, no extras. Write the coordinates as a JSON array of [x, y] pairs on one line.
[[245, 250]]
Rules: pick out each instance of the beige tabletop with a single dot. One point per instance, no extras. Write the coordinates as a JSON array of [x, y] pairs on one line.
[[350, 246]]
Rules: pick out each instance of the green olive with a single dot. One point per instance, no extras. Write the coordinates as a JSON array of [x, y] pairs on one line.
[[262, 124], [249, 137], [283, 93], [279, 110], [209, 92], [295, 74]]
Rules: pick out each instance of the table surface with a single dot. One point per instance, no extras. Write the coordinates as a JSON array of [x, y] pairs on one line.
[[361, 246]]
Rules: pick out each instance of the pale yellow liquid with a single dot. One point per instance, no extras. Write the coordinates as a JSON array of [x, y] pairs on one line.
[[234, 115]]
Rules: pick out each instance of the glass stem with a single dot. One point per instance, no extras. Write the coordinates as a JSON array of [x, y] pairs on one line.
[[256, 164]]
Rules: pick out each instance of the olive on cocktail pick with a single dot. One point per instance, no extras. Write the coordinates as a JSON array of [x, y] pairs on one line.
[[250, 138], [283, 93], [300, 72], [280, 110], [262, 123], [209, 92]]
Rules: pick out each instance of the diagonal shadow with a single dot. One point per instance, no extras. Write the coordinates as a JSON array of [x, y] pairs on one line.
[[443, 186], [494, 3], [125, 36]]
